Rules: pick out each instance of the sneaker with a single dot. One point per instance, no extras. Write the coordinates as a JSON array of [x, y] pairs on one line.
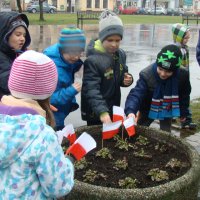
[[188, 124]]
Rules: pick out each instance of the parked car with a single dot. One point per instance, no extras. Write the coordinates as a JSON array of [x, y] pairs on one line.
[[34, 7], [129, 10], [189, 12], [172, 12], [159, 11], [141, 11]]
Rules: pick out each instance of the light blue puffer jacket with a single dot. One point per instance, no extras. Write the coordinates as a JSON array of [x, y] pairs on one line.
[[32, 163]]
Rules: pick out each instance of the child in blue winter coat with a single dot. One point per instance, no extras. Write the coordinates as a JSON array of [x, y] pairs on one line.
[[32, 163], [66, 55]]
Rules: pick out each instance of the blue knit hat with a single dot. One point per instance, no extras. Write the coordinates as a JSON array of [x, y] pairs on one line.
[[72, 40]]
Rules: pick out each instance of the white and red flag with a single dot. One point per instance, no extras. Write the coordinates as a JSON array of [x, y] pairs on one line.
[[110, 129], [82, 146], [69, 133], [129, 125], [118, 114]]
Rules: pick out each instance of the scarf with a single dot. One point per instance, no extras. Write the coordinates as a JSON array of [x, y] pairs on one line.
[[165, 100]]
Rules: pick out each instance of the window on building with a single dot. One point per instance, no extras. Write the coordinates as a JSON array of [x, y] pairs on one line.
[[89, 3], [105, 3], [97, 3]]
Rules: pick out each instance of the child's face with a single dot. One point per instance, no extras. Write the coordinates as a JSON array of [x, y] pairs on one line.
[[186, 38], [17, 38], [72, 57], [163, 73], [111, 43]]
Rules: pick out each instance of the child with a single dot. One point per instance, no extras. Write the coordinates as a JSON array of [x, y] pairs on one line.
[[105, 71], [181, 36], [14, 39], [162, 91], [33, 165], [66, 55], [198, 50]]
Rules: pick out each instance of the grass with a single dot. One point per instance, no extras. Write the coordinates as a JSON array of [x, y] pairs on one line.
[[66, 18]]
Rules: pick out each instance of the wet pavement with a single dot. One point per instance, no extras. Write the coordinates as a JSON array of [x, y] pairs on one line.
[[141, 43]]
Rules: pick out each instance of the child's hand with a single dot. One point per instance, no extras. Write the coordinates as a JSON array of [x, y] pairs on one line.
[[105, 118], [128, 79], [77, 86]]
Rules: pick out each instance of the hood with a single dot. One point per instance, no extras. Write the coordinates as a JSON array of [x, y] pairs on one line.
[[179, 31], [5, 20], [94, 47], [16, 134]]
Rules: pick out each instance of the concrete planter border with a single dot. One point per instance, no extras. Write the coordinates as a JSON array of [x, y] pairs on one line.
[[183, 188]]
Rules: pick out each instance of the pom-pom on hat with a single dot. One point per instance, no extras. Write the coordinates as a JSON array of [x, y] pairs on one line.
[[169, 58], [33, 76], [109, 24], [72, 40]]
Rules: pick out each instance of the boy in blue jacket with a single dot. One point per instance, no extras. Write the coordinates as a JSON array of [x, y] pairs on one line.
[[66, 55]]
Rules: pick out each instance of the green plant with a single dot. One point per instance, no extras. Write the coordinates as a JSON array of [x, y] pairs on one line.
[[158, 175], [92, 175], [161, 147], [175, 164], [81, 164], [128, 183], [123, 144], [142, 154], [141, 140], [104, 153], [121, 164]]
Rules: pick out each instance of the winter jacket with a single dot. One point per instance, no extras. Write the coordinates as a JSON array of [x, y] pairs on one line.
[[103, 75], [140, 97], [33, 165], [64, 96], [7, 54], [198, 50]]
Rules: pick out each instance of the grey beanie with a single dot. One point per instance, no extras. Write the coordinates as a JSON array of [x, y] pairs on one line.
[[110, 24]]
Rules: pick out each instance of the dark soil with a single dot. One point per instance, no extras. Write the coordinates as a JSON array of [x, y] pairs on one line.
[[138, 167]]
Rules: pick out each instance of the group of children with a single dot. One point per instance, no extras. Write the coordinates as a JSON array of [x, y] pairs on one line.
[[33, 165]]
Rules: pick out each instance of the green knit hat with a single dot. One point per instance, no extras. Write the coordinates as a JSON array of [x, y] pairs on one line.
[[179, 31], [169, 58]]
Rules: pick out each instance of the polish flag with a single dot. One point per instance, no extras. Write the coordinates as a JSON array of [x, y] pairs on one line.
[[118, 114], [82, 146], [130, 126], [110, 130], [69, 133]]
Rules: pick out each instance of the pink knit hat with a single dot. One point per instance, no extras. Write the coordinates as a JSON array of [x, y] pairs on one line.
[[33, 75]]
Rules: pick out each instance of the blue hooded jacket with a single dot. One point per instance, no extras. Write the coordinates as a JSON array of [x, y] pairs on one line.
[[64, 96], [32, 163]]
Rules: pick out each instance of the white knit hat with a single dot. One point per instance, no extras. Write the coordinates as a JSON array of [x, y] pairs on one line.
[[33, 75], [110, 24]]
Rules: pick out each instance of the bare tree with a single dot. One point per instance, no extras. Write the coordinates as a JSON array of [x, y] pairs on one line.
[[19, 6], [41, 10]]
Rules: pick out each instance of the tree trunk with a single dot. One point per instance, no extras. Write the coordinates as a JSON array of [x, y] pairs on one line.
[[19, 6], [143, 3], [41, 10]]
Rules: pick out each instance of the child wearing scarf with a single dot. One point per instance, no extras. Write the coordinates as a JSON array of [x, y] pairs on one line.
[[162, 91]]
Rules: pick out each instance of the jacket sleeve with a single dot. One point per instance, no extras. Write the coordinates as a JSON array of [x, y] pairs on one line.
[[135, 96], [55, 172], [63, 95], [5, 67], [184, 93], [198, 50], [91, 87]]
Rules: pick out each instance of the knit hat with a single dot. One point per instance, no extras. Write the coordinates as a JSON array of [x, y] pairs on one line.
[[169, 58], [72, 40], [15, 24], [179, 31], [110, 24], [33, 76]]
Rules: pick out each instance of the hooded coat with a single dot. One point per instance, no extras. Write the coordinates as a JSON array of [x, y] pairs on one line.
[[32, 163], [102, 79], [7, 54]]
